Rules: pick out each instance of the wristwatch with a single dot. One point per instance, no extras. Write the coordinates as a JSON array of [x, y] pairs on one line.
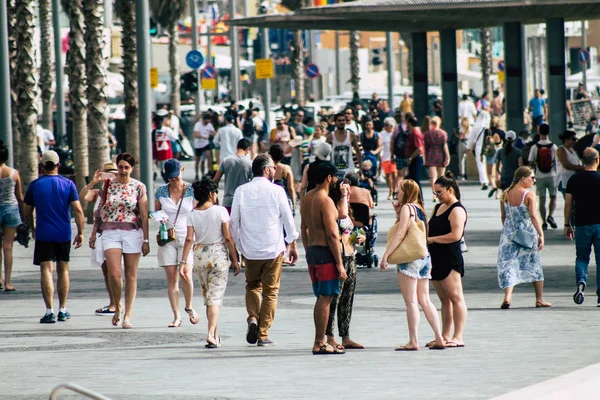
[[146, 241], [183, 262]]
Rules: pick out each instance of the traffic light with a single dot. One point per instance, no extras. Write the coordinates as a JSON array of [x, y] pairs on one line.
[[153, 27], [189, 81], [376, 60]]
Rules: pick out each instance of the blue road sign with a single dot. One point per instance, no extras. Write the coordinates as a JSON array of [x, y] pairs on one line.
[[584, 56], [312, 71], [209, 72], [194, 59], [500, 65]]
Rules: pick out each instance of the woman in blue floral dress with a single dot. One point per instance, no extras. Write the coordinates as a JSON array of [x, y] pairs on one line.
[[518, 264]]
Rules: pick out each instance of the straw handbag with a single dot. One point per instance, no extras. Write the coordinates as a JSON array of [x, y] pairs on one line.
[[414, 245]]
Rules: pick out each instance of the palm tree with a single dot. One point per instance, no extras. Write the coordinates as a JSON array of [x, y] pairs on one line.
[[354, 61], [97, 122], [75, 69], [485, 37], [26, 88], [297, 48], [167, 13], [12, 56], [126, 12], [47, 67]]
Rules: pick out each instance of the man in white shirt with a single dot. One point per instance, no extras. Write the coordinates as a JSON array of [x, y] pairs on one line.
[[543, 156], [202, 132], [228, 137], [45, 139], [466, 109], [259, 213], [351, 124]]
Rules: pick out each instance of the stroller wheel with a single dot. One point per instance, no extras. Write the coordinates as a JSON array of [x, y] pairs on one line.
[[370, 262], [376, 260]]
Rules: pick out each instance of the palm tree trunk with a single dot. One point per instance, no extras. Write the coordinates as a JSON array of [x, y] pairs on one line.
[[26, 89], [174, 69], [47, 67], [298, 66], [485, 37], [75, 69], [97, 123], [12, 56], [354, 62], [407, 38], [126, 12]]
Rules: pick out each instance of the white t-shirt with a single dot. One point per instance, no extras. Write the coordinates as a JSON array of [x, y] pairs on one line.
[[354, 127], [466, 109], [44, 136], [386, 139], [170, 207], [227, 139], [205, 131], [533, 155], [208, 224], [175, 124]]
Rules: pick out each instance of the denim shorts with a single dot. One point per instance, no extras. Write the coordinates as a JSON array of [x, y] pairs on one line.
[[9, 216], [419, 269]]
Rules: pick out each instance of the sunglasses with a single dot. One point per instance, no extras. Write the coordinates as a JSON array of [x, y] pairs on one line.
[[438, 194]]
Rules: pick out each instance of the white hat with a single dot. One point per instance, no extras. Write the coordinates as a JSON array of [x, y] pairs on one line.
[[50, 156], [323, 151], [510, 135]]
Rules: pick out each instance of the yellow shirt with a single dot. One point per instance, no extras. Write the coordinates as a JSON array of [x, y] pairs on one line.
[[406, 105]]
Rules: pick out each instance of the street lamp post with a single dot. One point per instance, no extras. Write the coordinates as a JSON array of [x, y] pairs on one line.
[[143, 56], [59, 96], [234, 92], [5, 119]]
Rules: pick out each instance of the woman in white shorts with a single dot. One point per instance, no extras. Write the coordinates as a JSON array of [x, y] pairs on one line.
[[109, 171], [122, 220], [176, 199], [214, 252]]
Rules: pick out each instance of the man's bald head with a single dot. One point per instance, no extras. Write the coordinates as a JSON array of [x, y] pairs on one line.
[[590, 156]]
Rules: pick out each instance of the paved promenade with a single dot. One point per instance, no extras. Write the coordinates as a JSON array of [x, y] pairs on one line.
[[521, 353]]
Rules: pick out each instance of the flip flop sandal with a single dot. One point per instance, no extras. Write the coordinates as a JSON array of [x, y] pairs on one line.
[[539, 304], [127, 324], [10, 290], [437, 347], [505, 305], [323, 351], [116, 319], [175, 324], [210, 345], [404, 348], [452, 345], [338, 346], [194, 318], [353, 346], [429, 344], [104, 311]]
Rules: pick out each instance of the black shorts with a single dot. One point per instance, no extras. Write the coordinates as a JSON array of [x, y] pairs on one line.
[[51, 251], [201, 151]]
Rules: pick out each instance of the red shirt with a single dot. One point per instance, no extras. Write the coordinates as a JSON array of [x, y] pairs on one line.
[[414, 142]]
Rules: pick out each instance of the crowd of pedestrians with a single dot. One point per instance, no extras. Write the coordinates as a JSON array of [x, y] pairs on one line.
[[323, 170]]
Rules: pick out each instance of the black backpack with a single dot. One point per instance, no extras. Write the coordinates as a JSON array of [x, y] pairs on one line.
[[400, 144], [248, 127]]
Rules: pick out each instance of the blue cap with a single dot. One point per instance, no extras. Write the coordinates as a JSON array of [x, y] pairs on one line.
[[172, 168]]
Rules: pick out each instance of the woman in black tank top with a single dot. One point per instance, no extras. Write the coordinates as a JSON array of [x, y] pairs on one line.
[[446, 229]]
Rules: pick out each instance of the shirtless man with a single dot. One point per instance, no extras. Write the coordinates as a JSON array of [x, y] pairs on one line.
[[321, 240]]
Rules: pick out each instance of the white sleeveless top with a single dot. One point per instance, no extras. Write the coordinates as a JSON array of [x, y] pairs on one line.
[[342, 154], [562, 174], [7, 190]]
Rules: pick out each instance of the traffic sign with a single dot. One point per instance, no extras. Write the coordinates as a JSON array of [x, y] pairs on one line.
[[194, 59], [501, 65], [209, 72], [264, 68], [153, 78], [209, 84], [584, 56], [312, 71]]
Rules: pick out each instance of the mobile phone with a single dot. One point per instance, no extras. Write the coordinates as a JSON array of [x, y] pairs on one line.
[[107, 175]]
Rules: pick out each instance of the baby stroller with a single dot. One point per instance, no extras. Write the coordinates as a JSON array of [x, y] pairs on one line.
[[365, 254], [369, 172]]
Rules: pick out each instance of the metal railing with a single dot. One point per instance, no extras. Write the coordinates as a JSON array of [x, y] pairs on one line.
[[76, 389]]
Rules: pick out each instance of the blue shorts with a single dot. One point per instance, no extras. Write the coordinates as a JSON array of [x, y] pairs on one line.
[[401, 163], [175, 146], [537, 120], [322, 270], [9, 216], [420, 269]]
